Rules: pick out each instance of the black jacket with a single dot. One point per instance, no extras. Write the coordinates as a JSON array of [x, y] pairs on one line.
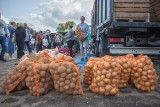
[[50, 37], [20, 34]]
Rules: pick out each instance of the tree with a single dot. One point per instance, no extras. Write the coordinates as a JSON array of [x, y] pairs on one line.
[[64, 26], [32, 31]]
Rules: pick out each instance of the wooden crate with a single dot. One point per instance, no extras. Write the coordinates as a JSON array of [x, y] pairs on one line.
[[155, 10], [131, 10]]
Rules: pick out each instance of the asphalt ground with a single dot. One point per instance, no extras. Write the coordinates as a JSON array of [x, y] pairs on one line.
[[128, 97]]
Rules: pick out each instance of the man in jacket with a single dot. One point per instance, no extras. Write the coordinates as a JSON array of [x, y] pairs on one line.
[[3, 32], [27, 37], [83, 44], [20, 37]]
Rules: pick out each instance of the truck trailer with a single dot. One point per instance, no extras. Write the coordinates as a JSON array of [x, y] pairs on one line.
[[126, 26]]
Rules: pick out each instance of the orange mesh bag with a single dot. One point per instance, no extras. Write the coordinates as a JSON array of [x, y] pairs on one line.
[[39, 80], [88, 74], [126, 65], [66, 77], [143, 74], [67, 58], [81, 36], [106, 76], [15, 79], [44, 57]]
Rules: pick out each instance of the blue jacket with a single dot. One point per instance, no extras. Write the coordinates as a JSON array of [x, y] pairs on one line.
[[11, 30]]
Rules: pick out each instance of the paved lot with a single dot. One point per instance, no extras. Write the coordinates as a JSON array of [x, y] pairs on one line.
[[128, 97]]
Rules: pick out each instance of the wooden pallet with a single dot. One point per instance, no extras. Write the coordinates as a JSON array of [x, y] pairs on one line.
[[155, 10], [130, 20], [132, 10]]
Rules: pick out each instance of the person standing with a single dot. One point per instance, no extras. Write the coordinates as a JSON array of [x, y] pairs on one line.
[[27, 38], [45, 42], [20, 35], [49, 38], [39, 41], [83, 44], [10, 45], [70, 40], [3, 32], [57, 41]]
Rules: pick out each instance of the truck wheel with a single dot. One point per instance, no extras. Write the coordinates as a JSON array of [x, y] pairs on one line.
[[102, 46], [97, 48]]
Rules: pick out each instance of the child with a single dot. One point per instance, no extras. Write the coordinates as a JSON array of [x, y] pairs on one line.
[[45, 43]]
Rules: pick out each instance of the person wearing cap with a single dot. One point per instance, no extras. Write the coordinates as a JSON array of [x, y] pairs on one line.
[[83, 44], [3, 32]]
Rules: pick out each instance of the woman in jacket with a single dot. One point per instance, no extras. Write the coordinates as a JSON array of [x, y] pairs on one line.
[[70, 40], [10, 45]]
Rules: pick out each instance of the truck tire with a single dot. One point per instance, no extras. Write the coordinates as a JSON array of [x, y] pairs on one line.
[[103, 46], [97, 48]]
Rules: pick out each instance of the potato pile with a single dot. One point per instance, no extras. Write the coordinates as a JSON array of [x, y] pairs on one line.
[[66, 58], [143, 74], [44, 57], [39, 80], [15, 79], [81, 36], [66, 77], [88, 74], [126, 70], [106, 76]]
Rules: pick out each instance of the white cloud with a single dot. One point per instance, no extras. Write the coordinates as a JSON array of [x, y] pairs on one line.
[[59, 11], [5, 19]]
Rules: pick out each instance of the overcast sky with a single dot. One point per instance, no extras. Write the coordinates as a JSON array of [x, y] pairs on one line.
[[45, 14]]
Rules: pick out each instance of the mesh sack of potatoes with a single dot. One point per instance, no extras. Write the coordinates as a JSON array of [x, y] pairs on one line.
[[81, 36], [15, 78], [88, 74], [39, 80], [143, 74], [44, 57], [66, 77], [126, 65], [66, 58], [106, 76]]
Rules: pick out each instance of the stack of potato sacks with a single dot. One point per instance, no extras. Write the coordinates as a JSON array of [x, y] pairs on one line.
[[143, 74], [126, 64], [15, 80], [66, 76], [88, 74], [106, 78], [39, 80]]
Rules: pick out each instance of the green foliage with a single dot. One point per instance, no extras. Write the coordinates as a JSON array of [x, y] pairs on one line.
[[64, 26]]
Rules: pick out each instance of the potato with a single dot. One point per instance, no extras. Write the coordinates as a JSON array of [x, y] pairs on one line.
[[43, 73]]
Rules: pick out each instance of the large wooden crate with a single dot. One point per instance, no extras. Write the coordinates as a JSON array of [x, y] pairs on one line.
[[132, 10], [155, 10]]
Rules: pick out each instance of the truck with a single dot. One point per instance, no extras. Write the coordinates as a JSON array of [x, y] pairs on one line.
[[126, 27]]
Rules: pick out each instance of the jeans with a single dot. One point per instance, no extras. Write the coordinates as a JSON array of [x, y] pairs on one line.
[[49, 46], [70, 44], [83, 48], [39, 47], [20, 46], [28, 46], [3, 45]]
